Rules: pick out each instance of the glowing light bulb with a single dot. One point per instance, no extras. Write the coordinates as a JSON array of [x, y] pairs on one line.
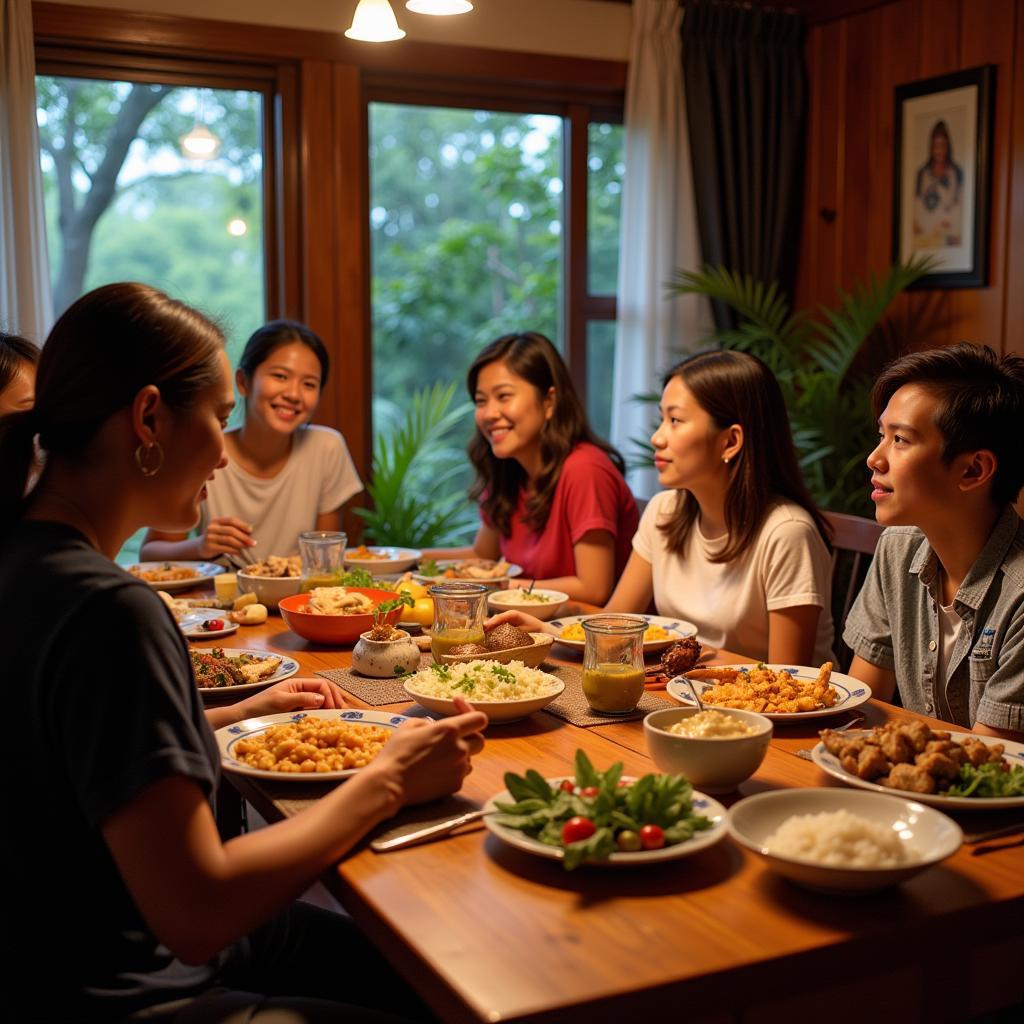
[[237, 227], [439, 7], [374, 22], [200, 143]]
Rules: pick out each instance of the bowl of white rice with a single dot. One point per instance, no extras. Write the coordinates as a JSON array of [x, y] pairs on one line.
[[834, 840], [505, 693]]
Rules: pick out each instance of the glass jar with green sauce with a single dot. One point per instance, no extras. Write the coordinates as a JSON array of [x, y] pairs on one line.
[[613, 662], [323, 558], [459, 611]]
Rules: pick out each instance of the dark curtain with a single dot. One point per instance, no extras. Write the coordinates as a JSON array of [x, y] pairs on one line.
[[743, 70]]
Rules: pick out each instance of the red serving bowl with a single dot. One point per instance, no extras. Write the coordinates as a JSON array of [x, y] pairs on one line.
[[333, 629]]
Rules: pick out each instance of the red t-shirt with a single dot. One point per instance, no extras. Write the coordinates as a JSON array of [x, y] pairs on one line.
[[590, 495]]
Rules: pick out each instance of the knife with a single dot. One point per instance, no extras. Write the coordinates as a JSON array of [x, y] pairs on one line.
[[420, 832]]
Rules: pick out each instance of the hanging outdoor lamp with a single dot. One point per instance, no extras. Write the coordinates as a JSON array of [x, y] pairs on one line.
[[439, 7], [200, 143], [374, 22]]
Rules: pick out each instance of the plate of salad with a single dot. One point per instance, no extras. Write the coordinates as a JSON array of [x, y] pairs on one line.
[[604, 819]]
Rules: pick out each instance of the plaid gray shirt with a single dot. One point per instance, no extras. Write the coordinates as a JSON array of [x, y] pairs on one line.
[[894, 625]]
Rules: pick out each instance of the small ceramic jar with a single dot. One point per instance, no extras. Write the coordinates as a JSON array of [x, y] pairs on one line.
[[385, 659]]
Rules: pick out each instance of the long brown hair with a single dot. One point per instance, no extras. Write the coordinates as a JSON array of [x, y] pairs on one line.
[[107, 346], [736, 387], [498, 481]]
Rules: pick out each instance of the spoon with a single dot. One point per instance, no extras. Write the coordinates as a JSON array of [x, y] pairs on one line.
[[693, 691]]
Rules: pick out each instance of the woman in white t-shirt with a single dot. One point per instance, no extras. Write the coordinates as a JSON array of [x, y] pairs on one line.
[[284, 475], [735, 545]]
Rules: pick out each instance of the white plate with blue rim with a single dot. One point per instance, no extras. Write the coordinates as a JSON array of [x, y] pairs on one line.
[[229, 736], [850, 692], [199, 624], [701, 803], [285, 670], [677, 629], [1013, 754], [198, 573]]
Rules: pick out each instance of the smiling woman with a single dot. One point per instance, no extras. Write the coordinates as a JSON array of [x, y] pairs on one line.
[[284, 476]]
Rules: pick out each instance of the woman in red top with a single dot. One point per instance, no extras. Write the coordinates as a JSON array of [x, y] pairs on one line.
[[552, 494]]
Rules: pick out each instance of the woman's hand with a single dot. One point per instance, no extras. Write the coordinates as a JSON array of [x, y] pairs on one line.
[[529, 623], [291, 695], [425, 760], [225, 535]]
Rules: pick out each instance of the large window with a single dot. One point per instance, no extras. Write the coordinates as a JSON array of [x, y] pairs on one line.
[[158, 183]]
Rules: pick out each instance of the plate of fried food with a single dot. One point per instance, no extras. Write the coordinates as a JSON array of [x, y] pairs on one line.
[[306, 746], [952, 770], [781, 693], [491, 573], [174, 575], [660, 633], [230, 673]]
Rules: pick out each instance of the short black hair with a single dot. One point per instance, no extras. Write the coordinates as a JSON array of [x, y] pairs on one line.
[[272, 336], [981, 404], [15, 351]]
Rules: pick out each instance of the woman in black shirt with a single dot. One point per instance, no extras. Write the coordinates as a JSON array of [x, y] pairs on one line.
[[158, 918]]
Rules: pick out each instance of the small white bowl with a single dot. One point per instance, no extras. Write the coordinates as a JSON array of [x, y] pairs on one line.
[[394, 560], [515, 601], [931, 835], [497, 711], [712, 765], [269, 590]]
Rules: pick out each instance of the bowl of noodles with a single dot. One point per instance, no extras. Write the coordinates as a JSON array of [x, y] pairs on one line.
[[335, 615]]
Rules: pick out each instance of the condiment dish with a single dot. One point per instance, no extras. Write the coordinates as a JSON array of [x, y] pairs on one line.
[[550, 604]]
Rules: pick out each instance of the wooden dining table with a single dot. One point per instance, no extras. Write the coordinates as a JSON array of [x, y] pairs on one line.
[[488, 933]]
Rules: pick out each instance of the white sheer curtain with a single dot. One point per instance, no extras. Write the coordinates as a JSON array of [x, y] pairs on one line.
[[25, 305], [658, 228]]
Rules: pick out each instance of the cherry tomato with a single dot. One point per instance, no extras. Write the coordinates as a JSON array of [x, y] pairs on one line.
[[213, 624], [567, 786], [589, 792], [576, 829], [623, 783], [652, 837], [628, 841]]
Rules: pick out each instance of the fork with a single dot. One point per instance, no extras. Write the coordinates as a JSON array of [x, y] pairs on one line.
[[855, 720]]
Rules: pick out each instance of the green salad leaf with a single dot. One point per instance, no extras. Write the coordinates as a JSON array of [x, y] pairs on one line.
[[988, 780]]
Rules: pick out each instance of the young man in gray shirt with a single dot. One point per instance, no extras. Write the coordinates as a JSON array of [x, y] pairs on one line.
[[941, 615]]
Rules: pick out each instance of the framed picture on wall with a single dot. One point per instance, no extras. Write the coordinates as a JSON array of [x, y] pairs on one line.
[[943, 158]]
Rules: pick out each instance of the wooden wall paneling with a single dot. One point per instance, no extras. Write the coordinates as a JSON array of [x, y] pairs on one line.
[[1013, 319], [978, 313], [352, 276]]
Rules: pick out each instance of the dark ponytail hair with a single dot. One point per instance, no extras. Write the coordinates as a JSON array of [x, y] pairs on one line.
[[103, 350], [15, 351], [272, 336], [498, 481], [736, 387]]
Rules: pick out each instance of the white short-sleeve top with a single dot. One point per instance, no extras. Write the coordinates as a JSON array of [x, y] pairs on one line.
[[318, 477], [787, 565]]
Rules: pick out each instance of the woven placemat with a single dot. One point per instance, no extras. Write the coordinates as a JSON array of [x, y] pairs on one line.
[[374, 692], [572, 706]]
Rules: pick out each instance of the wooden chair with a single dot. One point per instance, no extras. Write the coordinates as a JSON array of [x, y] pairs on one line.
[[853, 544]]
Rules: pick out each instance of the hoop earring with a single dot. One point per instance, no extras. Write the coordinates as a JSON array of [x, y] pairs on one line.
[[143, 461]]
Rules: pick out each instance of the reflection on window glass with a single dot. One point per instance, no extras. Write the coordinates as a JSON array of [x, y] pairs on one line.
[[600, 366], [124, 202], [466, 222], [606, 167]]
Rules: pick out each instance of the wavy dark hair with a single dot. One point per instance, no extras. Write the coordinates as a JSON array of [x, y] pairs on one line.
[[498, 481], [103, 350], [271, 336], [980, 405], [736, 387], [15, 351]]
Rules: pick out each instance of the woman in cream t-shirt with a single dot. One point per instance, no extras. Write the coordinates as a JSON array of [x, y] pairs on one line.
[[735, 545], [282, 476]]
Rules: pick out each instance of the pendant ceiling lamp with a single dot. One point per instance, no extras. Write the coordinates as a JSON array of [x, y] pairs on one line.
[[200, 143], [374, 22], [439, 7]]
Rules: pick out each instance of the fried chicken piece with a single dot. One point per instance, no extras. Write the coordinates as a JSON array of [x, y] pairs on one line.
[[910, 777], [681, 656], [871, 763], [919, 735], [897, 747], [954, 751], [979, 753], [939, 766]]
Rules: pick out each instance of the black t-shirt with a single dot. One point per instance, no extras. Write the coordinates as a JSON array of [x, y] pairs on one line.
[[98, 703]]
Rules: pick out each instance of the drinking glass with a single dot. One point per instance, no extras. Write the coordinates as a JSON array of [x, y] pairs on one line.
[[613, 662], [459, 612], [323, 558]]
